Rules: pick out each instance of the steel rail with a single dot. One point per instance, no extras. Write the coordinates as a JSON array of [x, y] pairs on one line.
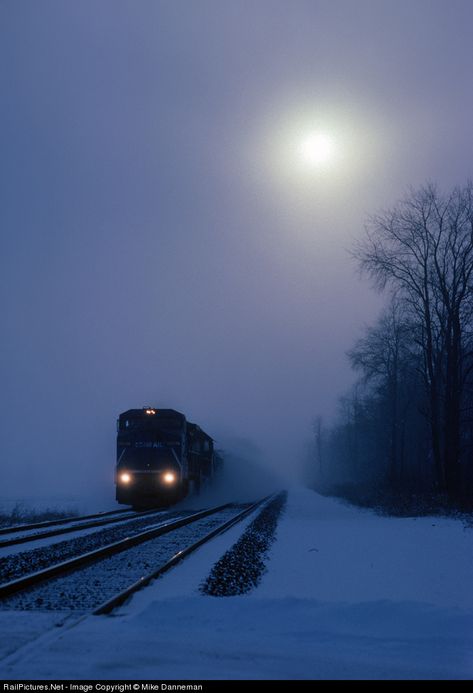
[[75, 528], [40, 576], [123, 596], [63, 521]]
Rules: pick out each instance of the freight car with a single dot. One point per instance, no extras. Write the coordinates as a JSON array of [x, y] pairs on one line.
[[161, 457]]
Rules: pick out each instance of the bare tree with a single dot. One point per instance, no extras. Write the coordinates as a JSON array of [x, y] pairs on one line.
[[318, 431], [383, 356], [423, 250]]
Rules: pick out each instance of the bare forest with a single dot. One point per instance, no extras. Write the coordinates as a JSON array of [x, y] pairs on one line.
[[404, 432]]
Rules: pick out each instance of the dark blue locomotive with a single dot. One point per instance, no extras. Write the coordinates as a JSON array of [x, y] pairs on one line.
[[161, 457]]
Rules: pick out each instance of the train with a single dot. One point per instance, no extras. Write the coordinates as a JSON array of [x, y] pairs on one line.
[[161, 457]]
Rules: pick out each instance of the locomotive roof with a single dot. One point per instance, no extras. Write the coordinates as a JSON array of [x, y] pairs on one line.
[[157, 410], [192, 427]]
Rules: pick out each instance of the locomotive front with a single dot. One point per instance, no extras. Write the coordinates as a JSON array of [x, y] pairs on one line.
[[151, 457]]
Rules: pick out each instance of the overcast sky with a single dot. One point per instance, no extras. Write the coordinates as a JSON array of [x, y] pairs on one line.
[[162, 241]]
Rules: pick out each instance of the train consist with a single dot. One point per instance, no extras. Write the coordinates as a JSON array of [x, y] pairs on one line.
[[161, 457]]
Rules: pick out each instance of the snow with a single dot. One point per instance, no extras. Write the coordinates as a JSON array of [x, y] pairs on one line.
[[81, 504], [347, 594], [66, 536], [346, 554], [20, 627]]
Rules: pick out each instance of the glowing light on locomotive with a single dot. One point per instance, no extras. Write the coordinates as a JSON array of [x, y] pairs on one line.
[[150, 411], [169, 478], [125, 478]]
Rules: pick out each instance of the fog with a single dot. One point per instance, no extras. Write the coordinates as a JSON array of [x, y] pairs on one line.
[[243, 478], [162, 246]]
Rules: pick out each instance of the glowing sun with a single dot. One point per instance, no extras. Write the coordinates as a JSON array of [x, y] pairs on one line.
[[316, 149]]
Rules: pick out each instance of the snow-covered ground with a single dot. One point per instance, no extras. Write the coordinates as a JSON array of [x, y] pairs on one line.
[[69, 504], [347, 594]]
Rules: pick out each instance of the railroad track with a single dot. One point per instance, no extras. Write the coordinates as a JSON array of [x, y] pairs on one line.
[[100, 580], [17, 561], [71, 525], [124, 595], [60, 521]]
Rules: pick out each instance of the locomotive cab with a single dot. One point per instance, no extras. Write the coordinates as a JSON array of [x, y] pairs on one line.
[[150, 456], [160, 456]]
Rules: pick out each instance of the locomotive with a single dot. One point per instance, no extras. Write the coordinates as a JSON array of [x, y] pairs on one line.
[[161, 457]]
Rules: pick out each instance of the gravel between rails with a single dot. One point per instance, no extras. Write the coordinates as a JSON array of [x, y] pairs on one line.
[[85, 589], [29, 561], [240, 569]]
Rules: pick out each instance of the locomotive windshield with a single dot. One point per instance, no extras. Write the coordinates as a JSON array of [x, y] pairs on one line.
[[165, 424], [145, 458]]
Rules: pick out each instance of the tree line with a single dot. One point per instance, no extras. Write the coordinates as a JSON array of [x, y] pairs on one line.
[[406, 427]]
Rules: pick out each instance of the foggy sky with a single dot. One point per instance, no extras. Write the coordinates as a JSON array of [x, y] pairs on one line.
[[156, 246]]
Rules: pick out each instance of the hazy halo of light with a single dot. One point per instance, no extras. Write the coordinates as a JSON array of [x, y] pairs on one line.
[[309, 153], [316, 149]]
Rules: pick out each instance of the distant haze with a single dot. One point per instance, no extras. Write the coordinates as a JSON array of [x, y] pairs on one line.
[[160, 245]]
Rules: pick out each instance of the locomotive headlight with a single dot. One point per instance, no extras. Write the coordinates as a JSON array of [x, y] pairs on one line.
[[169, 478], [125, 478]]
